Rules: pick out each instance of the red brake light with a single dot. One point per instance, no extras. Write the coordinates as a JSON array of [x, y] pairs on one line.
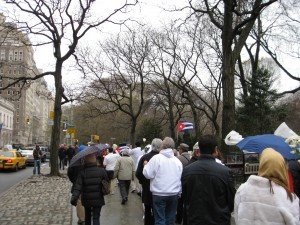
[[9, 160]]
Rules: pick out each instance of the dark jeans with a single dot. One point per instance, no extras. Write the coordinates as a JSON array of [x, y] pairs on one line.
[[124, 188], [149, 217], [164, 208], [96, 215], [110, 174], [37, 166], [62, 163]]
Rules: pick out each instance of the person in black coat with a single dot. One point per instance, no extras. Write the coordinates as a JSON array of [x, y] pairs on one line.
[[146, 193], [73, 173], [62, 156], [207, 188], [88, 185]]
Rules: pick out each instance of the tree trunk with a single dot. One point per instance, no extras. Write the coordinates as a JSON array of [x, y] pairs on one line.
[[55, 137], [228, 113], [132, 131]]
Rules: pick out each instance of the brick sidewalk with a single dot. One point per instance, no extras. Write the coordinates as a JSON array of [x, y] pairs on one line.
[[38, 200]]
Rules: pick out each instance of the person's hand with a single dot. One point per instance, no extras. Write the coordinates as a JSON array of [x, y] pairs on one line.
[[73, 201], [145, 162]]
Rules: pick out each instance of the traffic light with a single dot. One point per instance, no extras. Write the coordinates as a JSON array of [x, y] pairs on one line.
[[27, 120]]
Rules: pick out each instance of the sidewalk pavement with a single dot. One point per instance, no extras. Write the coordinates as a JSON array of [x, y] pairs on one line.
[[38, 200], [45, 200]]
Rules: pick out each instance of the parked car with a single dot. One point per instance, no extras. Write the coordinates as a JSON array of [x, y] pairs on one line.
[[12, 159], [44, 157], [28, 153]]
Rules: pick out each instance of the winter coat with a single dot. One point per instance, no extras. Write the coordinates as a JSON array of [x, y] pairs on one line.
[[61, 153], [164, 171], [88, 184], [184, 158], [73, 173], [124, 168], [256, 204], [208, 188], [146, 193]]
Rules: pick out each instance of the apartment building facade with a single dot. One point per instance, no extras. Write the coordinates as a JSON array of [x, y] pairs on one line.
[[31, 99]]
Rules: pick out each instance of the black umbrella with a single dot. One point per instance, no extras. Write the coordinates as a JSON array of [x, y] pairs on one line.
[[94, 149]]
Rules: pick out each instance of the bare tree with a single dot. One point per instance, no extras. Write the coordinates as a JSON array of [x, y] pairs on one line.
[[119, 75], [235, 20], [60, 23], [278, 35], [181, 56]]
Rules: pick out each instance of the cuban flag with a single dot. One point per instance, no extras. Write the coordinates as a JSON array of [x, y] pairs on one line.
[[184, 126], [122, 148]]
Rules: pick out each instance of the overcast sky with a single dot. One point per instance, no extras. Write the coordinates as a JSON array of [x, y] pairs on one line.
[[150, 12]]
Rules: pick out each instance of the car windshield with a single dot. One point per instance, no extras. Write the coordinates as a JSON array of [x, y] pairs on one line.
[[26, 151], [7, 154]]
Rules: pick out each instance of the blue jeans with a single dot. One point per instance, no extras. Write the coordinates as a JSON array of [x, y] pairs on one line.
[[96, 215], [37, 164], [164, 208]]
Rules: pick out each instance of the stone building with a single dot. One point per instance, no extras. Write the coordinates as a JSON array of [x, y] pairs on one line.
[[31, 98], [6, 122]]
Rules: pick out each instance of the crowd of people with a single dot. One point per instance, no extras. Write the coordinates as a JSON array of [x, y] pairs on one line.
[[179, 187]]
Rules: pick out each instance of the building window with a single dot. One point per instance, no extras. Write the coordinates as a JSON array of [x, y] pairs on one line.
[[2, 56], [16, 56], [8, 92], [21, 55], [10, 55], [17, 120]]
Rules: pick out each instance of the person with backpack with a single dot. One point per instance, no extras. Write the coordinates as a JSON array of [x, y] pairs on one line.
[[37, 155]]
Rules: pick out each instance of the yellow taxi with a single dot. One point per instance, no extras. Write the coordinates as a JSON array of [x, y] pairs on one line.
[[12, 159]]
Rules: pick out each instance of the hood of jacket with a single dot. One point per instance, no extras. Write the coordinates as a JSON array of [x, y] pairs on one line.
[[167, 152]]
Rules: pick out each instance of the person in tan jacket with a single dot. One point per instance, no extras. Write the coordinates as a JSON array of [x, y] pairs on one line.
[[124, 171]]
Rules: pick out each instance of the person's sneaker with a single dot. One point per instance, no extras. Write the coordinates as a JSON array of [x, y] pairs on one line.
[[123, 201], [80, 222], [139, 194]]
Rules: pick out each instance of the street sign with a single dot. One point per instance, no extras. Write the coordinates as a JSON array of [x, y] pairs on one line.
[[51, 115], [71, 130], [50, 122]]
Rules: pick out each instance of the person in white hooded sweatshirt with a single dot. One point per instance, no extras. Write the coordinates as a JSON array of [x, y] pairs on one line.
[[164, 171]]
